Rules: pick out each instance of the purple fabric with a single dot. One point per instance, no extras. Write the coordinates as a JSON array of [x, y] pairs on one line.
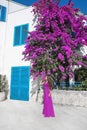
[[48, 110]]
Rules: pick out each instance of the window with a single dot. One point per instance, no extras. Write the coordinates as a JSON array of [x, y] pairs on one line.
[[19, 89], [20, 34], [2, 13]]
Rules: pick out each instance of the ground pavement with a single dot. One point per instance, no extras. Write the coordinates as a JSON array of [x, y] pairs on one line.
[[20, 115]]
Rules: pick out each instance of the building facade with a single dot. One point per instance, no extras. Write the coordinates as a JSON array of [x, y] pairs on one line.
[[16, 20]]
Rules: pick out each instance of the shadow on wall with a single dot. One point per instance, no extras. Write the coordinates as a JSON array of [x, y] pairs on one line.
[[35, 86]]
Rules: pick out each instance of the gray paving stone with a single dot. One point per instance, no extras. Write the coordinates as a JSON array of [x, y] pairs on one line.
[[20, 115]]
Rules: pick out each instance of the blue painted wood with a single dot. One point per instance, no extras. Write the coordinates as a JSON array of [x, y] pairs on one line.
[[24, 33], [24, 79], [20, 34], [17, 34], [15, 82], [20, 77], [3, 11]]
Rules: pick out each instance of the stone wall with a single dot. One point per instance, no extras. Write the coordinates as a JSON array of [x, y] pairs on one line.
[[76, 98], [63, 97]]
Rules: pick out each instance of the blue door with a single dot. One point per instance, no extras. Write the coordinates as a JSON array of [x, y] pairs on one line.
[[20, 77]]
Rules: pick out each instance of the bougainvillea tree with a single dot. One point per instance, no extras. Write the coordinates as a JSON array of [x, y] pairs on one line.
[[59, 33]]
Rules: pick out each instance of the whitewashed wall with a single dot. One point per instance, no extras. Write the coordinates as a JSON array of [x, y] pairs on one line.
[[4, 3], [13, 54], [2, 44], [9, 55], [5, 29], [12, 6], [3, 26], [64, 97]]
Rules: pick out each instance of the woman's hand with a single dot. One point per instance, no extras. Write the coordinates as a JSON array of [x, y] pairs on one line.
[[49, 94], [41, 82]]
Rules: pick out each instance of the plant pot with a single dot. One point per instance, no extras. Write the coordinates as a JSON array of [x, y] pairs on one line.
[[2, 96]]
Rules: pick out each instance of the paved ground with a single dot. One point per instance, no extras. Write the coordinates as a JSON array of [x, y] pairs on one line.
[[19, 115]]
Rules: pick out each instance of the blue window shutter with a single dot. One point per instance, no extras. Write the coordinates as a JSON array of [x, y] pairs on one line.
[[2, 13], [17, 34], [24, 33], [24, 80], [20, 83], [20, 34], [15, 82]]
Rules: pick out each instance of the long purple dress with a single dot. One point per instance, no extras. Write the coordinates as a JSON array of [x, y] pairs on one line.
[[48, 109]]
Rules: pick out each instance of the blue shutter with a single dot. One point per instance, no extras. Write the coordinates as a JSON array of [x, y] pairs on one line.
[[24, 33], [17, 34], [24, 80], [20, 34], [15, 83], [2, 13], [20, 83]]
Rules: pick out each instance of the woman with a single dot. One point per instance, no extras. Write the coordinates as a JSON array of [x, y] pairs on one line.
[[48, 110]]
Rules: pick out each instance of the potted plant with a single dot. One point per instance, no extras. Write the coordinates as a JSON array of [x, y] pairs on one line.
[[3, 87]]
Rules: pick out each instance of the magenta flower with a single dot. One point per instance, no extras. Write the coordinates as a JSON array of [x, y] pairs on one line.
[[54, 69], [57, 35], [43, 75], [48, 72], [60, 57], [61, 68]]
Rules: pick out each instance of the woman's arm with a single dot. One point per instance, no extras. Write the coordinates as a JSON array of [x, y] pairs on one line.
[[41, 82], [49, 93]]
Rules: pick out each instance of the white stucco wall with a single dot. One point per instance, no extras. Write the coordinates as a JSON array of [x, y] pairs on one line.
[[6, 32], [13, 54], [64, 97], [10, 55], [3, 26], [2, 44], [4, 3], [12, 6]]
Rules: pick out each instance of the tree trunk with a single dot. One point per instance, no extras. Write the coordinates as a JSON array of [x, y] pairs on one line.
[[67, 83]]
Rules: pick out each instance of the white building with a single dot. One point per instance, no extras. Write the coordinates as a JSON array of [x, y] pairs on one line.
[[15, 20]]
